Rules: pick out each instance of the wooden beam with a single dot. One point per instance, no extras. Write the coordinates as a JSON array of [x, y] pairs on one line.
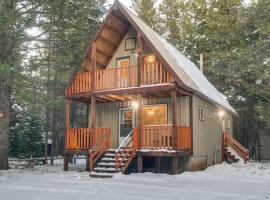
[[104, 53], [117, 97], [65, 162], [140, 56], [183, 92], [175, 165], [139, 118], [191, 120], [67, 107], [174, 120], [140, 164], [120, 20], [114, 30], [115, 46]]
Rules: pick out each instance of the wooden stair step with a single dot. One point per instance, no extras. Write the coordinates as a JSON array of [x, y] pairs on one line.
[[101, 175]]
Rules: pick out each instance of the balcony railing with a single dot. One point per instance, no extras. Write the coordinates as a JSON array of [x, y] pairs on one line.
[[80, 138], [120, 77]]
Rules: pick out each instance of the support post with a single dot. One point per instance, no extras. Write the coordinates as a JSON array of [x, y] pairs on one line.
[[139, 118], [65, 162], [87, 166], [174, 122], [191, 120], [140, 164], [67, 107], [93, 98], [175, 166], [140, 57]]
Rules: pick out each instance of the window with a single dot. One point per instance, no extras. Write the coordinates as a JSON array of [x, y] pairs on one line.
[[127, 119], [130, 44], [154, 114], [201, 113]]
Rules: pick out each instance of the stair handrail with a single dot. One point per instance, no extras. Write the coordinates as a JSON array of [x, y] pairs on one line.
[[121, 156], [124, 141], [98, 149], [236, 146]]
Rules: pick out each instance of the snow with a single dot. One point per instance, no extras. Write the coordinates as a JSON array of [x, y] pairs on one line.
[[220, 182]]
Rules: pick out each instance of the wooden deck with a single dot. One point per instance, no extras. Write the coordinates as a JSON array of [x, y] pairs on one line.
[[116, 78]]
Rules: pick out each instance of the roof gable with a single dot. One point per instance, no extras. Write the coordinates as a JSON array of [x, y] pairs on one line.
[[185, 72]]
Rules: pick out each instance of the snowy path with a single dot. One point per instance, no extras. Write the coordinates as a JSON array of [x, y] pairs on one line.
[[248, 182]]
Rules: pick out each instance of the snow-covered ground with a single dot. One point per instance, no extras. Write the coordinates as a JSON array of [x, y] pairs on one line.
[[251, 181]]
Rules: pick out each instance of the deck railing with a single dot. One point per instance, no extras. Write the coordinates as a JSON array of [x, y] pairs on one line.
[[80, 138], [120, 77], [155, 73], [80, 83], [160, 137]]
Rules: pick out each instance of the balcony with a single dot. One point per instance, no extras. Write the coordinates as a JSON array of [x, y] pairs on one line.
[[116, 78]]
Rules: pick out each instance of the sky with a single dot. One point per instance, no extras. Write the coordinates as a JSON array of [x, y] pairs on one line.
[[127, 3]]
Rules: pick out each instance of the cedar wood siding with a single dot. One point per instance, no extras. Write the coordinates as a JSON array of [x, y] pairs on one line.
[[108, 114]]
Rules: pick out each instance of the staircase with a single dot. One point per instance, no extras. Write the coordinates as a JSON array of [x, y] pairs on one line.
[[233, 150], [116, 160], [230, 156]]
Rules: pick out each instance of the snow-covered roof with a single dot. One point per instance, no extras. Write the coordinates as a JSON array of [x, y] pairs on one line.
[[185, 69]]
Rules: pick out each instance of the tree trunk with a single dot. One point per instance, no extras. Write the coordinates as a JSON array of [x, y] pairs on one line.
[[5, 98]]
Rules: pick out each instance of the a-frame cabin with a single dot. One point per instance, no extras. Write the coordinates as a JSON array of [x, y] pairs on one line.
[[148, 104]]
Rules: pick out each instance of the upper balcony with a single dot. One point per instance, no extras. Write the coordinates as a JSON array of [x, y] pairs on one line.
[[119, 78]]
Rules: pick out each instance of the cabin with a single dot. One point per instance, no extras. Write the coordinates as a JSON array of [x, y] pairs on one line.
[[148, 106]]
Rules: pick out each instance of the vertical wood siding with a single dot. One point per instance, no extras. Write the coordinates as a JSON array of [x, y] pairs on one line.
[[121, 52], [207, 133], [108, 114]]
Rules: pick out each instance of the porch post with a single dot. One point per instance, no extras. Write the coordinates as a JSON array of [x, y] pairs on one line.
[[174, 121], [67, 108], [139, 118], [191, 120], [140, 57], [93, 98]]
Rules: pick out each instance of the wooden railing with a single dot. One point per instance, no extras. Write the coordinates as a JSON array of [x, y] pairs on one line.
[[126, 151], [156, 137], [101, 146], [80, 138], [160, 137], [113, 78], [229, 141], [81, 83], [184, 137], [154, 73], [124, 77]]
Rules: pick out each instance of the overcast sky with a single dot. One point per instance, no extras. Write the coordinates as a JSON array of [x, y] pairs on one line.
[[127, 3]]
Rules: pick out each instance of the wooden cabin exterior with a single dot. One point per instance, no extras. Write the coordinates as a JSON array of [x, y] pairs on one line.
[[141, 105]]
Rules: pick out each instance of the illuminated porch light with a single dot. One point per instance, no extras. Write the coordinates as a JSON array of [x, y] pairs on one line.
[[134, 104], [221, 113]]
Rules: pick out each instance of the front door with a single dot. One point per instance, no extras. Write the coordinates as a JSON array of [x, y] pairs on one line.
[[126, 122], [123, 71]]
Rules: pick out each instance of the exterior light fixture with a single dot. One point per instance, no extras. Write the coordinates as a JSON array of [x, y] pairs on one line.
[[134, 104], [221, 113], [149, 59]]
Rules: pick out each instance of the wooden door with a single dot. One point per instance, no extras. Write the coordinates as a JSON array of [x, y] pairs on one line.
[[123, 72]]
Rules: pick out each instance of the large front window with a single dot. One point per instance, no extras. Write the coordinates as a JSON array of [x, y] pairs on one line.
[[154, 114]]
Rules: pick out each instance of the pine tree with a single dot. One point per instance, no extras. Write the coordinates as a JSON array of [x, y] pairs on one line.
[[146, 11]]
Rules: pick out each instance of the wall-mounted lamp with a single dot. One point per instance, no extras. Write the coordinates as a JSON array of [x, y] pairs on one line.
[[149, 59], [221, 113], [134, 104]]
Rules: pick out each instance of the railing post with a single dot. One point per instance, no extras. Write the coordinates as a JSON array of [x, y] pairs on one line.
[[67, 107]]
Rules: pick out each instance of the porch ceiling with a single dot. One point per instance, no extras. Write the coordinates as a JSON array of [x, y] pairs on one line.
[[108, 39], [129, 94]]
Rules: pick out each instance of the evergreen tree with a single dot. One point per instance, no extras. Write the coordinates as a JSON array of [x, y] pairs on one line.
[[146, 11]]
